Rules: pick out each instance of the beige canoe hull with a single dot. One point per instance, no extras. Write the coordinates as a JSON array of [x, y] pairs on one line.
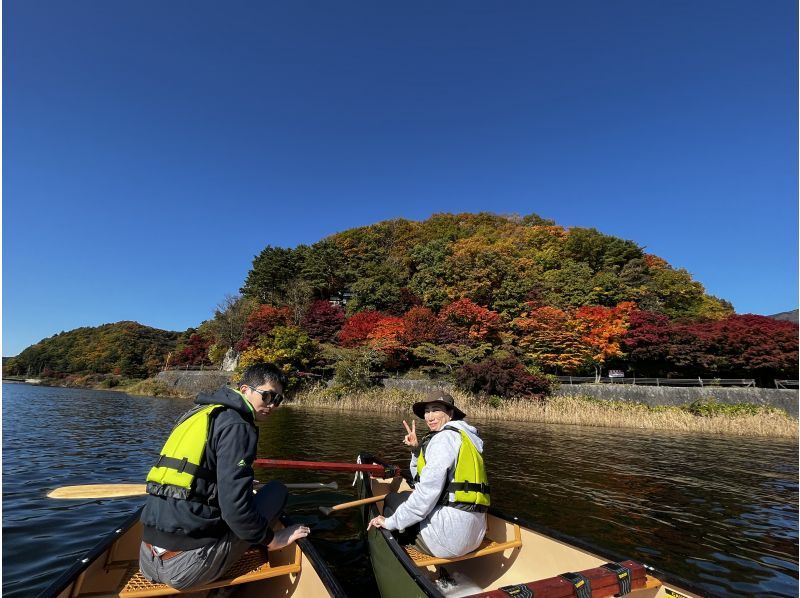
[[113, 571], [531, 555]]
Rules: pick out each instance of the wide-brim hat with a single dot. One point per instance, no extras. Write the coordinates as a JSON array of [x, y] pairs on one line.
[[437, 396]]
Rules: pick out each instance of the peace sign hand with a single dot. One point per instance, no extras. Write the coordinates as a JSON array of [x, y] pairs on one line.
[[411, 438]]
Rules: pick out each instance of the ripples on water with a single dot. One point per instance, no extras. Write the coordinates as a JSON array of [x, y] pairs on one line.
[[721, 512]]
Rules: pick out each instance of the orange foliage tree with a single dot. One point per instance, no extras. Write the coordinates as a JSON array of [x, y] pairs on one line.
[[602, 330], [548, 336], [387, 337]]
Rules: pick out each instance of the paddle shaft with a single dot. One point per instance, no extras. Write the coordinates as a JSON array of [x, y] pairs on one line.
[[120, 490], [351, 504], [377, 470]]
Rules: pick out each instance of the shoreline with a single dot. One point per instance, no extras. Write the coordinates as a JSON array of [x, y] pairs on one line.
[[573, 409], [579, 410]]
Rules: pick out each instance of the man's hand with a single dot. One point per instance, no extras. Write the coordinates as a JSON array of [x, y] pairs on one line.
[[287, 535], [378, 521], [411, 438]]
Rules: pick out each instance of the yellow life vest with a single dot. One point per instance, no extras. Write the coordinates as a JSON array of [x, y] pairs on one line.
[[179, 463], [470, 484]]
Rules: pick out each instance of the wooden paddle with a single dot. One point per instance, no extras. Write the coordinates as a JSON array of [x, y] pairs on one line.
[[120, 490], [352, 503]]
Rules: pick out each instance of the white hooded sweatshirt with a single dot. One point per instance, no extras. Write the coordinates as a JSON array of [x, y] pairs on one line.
[[447, 531]]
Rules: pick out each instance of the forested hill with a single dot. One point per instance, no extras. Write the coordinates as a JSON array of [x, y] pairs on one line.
[[496, 261], [492, 303], [125, 349]]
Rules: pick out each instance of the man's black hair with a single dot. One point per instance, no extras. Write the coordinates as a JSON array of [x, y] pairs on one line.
[[262, 373]]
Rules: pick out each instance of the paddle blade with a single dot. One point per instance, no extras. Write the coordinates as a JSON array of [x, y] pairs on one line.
[[98, 491], [326, 510]]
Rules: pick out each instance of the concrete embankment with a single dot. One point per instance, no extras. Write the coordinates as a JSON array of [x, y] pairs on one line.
[[675, 395], [192, 382], [651, 395]]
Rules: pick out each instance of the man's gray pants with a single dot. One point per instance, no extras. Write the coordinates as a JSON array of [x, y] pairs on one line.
[[207, 563]]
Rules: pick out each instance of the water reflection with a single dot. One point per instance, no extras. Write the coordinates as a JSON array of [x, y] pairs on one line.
[[719, 511]]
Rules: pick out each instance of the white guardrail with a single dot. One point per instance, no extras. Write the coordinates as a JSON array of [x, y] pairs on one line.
[[702, 382]]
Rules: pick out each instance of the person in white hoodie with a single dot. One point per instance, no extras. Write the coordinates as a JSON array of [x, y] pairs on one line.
[[445, 515]]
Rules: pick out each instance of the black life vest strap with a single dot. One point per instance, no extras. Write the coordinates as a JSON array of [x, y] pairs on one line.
[[518, 591], [624, 577], [468, 487], [422, 446], [183, 465], [582, 584]]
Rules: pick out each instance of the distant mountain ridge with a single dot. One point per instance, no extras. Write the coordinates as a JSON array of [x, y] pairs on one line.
[[126, 349], [789, 316]]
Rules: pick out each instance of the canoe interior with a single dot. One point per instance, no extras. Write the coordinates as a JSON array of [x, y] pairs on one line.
[[114, 571], [539, 557]]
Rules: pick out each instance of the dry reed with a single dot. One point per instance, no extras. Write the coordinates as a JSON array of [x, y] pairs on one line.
[[570, 410]]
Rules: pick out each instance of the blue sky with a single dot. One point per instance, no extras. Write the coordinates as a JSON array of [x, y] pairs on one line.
[[151, 149]]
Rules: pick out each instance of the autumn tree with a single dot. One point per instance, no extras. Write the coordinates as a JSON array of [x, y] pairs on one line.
[[602, 329], [358, 327], [230, 320], [646, 343], [192, 352], [387, 337], [740, 346], [322, 320], [504, 377], [261, 321], [288, 347], [550, 337], [465, 321], [443, 360], [429, 272], [420, 325]]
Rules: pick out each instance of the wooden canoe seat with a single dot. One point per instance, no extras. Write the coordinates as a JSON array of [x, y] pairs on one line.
[[253, 566], [487, 547]]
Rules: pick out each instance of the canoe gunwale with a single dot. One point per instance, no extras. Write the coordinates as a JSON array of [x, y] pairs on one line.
[[318, 564], [431, 590]]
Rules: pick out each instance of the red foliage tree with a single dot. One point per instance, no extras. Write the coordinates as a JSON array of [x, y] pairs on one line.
[[322, 320], [421, 325], [261, 321], [194, 352], [646, 342], [740, 346], [357, 327], [464, 321], [505, 377]]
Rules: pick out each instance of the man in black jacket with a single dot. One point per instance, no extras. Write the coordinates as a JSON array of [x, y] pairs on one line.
[[201, 514]]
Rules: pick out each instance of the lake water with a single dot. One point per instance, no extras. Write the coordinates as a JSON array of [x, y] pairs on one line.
[[721, 512]]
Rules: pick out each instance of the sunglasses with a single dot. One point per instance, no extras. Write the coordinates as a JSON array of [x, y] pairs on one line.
[[270, 397]]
